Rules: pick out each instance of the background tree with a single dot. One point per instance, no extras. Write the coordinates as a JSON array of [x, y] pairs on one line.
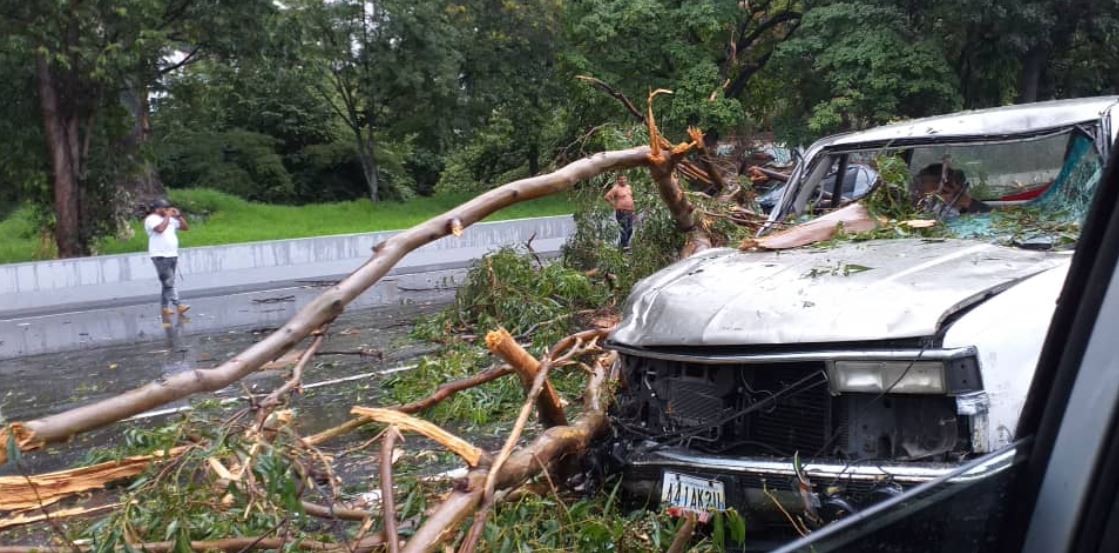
[[87, 57], [855, 64]]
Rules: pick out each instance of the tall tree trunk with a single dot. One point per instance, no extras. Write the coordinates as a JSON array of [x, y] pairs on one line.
[[1033, 62], [365, 153], [60, 127]]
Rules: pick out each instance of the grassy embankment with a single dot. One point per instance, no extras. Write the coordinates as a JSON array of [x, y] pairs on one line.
[[217, 218]]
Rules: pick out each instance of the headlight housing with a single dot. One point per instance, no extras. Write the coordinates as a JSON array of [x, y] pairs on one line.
[[948, 376]]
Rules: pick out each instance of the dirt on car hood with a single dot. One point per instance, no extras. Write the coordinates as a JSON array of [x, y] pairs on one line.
[[857, 291]]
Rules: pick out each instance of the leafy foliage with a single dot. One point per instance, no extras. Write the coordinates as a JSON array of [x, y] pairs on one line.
[[515, 291], [856, 65], [183, 500], [238, 162]]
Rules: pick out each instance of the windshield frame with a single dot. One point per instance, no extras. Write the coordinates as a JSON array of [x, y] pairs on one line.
[[825, 148]]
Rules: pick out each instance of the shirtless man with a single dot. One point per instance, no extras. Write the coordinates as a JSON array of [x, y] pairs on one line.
[[620, 197]]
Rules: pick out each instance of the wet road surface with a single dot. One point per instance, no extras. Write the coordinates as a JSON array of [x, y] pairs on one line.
[[34, 386]]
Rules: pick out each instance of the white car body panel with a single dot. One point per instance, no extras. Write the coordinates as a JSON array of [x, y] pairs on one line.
[[1008, 330]]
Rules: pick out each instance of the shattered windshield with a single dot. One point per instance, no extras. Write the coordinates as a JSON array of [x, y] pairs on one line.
[[1025, 192]]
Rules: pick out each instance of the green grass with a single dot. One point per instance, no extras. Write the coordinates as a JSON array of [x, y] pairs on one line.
[[218, 218]]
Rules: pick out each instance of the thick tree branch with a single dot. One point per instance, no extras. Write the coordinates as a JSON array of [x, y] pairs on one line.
[[748, 40], [743, 77], [685, 167], [323, 309]]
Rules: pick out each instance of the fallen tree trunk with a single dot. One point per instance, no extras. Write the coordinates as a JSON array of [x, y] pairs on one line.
[[34, 434]]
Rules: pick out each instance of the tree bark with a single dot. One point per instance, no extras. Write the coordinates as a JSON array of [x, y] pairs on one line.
[[682, 210], [60, 127], [366, 151], [323, 309]]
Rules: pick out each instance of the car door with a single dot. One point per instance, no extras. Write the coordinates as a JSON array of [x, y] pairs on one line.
[[1055, 489]]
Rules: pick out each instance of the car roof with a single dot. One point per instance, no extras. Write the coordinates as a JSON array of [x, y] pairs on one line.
[[1017, 119]]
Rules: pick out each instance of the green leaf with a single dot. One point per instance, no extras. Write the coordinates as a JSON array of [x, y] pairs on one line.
[[737, 527], [718, 532], [182, 542], [14, 453]]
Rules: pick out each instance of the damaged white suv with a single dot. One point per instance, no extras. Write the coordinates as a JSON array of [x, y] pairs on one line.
[[822, 378]]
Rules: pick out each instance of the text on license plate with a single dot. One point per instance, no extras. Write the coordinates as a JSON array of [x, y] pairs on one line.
[[690, 493]]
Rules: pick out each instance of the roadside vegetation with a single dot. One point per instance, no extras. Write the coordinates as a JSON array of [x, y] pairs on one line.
[[329, 102], [219, 218]]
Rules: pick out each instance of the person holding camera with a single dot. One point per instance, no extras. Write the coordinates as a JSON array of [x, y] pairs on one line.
[[162, 226]]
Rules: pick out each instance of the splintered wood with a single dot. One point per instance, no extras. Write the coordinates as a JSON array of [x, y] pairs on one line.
[[469, 453], [19, 492], [548, 405], [29, 518]]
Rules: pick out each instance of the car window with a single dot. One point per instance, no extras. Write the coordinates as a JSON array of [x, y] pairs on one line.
[[1030, 192], [1000, 170], [859, 178]]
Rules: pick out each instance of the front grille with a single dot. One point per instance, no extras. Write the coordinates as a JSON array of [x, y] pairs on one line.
[[781, 409], [776, 409], [800, 422]]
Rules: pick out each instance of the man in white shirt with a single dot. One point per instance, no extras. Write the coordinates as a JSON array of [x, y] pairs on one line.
[[162, 226]]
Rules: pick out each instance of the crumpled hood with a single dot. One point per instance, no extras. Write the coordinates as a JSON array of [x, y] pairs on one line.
[[857, 291]]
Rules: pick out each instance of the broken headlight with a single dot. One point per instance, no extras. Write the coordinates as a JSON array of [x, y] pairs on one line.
[[950, 376]]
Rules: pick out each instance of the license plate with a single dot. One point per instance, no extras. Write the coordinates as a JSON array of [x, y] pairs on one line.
[[680, 492]]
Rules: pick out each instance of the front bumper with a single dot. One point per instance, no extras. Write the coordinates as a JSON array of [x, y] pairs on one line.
[[762, 487]]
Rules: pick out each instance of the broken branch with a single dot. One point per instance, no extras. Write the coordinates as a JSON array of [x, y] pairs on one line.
[[442, 393], [853, 218], [22, 518], [388, 507], [277, 395], [20, 492], [548, 449], [683, 535], [469, 453], [502, 344], [228, 545]]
